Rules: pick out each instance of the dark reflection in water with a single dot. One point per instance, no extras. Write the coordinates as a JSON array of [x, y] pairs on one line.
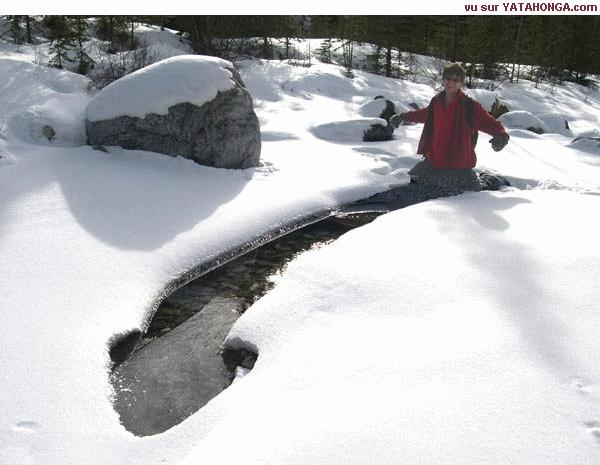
[[180, 363], [247, 277]]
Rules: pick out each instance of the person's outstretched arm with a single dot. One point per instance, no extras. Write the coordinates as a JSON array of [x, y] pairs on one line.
[[483, 121]]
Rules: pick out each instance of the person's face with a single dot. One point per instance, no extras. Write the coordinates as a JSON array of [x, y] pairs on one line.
[[452, 84]]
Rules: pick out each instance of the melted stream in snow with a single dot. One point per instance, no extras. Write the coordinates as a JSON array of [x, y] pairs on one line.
[[180, 363]]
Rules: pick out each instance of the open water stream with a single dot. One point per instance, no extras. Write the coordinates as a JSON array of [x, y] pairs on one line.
[[180, 363]]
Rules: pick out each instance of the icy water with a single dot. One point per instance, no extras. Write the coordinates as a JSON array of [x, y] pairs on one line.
[[250, 276], [180, 364]]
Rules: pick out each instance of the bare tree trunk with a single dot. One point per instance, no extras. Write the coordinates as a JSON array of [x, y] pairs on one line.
[[455, 40], [132, 36], [388, 60], [266, 48], [516, 53], [28, 29]]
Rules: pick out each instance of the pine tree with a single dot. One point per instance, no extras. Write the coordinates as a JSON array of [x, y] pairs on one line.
[[325, 26], [486, 43], [114, 30], [325, 50], [580, 47], [62, 40], [28, 35], [352, 31], [16, 28], [83, 60]]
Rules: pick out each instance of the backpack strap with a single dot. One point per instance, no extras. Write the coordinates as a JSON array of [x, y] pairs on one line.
[[470, 110], [428, 128]]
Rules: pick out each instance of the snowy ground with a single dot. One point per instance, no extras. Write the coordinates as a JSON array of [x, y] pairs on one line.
[[462, 330]]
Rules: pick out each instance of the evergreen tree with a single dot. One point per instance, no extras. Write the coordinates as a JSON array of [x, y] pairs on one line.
[[83, 60], [580, 48], [486, 42], [28, 32], [62, 41], [325, 50], [325, 27], [114, 30], [17, 33], [352, 30]]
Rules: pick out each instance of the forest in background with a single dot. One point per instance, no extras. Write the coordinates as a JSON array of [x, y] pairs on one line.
[[497, 48]]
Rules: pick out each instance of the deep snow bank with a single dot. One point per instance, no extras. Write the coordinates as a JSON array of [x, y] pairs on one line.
[[34, 96], [455, 331]]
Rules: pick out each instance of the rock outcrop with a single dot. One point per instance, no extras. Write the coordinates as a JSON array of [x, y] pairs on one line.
[[219, 129], [379, 107]]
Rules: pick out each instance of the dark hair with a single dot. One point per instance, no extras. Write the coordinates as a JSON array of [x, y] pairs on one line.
[[454, 69]]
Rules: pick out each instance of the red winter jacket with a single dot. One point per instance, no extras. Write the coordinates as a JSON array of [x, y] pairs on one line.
[[446, 140]]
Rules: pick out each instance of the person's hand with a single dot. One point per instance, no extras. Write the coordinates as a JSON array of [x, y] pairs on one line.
[[499, 142], [396, 120]]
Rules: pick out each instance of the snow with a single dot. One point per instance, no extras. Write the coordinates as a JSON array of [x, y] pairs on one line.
[[185, 78], [373, 108], [578, 103], [460, 330], [556, 123], [522, 120], [32, 96], [161, 44], [346, 131], [475, 344], [483, 96]]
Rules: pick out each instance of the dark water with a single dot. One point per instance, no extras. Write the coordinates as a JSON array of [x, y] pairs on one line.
[[180, 363], [247, 277]]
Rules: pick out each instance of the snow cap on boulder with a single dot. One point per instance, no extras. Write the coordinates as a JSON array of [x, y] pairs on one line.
[[485, 97], [193, 79], [379, 107], [192, 106], [556, 123], [520, 119]]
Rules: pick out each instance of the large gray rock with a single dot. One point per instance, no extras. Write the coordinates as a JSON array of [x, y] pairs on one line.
[[378, 132], [223, 132]]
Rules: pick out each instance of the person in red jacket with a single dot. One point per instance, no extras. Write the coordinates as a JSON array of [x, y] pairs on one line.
[[452, 121]]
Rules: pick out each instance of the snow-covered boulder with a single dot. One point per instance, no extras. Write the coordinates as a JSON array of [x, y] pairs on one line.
[[556, 123], [193, 106], [378, 132], [489, 100], [379, 107], [486, 98], [42, 105], [6, 158], [355, 130], [520, 119], [588, 141]]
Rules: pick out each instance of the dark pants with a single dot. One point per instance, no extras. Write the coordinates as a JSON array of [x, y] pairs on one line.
[[426, 174]]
